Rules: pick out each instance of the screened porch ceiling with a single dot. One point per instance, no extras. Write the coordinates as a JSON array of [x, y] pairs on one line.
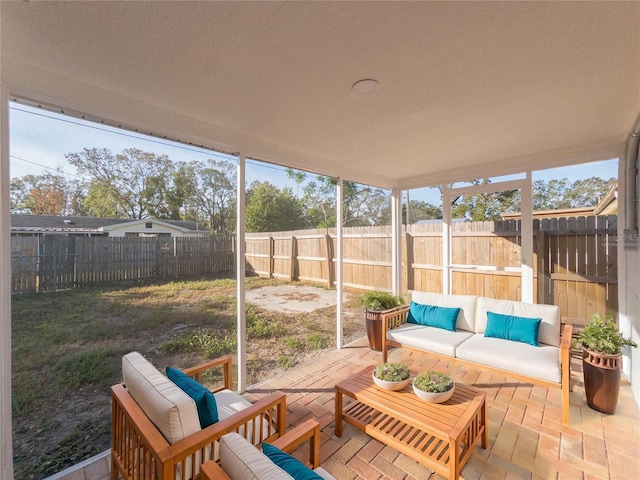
[[465, 89]]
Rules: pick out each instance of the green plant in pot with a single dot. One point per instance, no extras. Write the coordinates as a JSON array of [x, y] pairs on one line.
[[433, 386], [376, 303], [602, 345], [391, 376]]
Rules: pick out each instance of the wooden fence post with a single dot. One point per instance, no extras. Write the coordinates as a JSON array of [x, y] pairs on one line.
[[294, 247], [329, 250], [407, 259], [271, 252]]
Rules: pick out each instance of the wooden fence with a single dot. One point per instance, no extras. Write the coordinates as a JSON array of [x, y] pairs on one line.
[[53, 262], [575, 260]]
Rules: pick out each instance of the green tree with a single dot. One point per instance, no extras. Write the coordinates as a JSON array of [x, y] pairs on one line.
[[137, 181], [588, 192], [101, 201], [362, 205], [213, 200], [485, 206], [419, 210], [269, 209], [560, 193], [44, 194], [550, 195]]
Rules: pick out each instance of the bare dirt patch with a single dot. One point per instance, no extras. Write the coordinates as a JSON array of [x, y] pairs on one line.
[[293, 298]]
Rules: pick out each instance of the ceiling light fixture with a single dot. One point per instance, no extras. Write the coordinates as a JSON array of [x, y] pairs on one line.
[[365, 87]]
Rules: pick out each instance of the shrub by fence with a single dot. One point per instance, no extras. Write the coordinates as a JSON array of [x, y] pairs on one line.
[[574, 260], [52, 262]]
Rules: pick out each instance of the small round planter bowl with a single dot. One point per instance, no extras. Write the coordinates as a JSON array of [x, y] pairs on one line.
[[438, 397], [394, 386]]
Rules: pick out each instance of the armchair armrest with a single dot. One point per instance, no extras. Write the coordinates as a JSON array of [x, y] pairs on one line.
[[224, 362], [212, 471], [307, 430], [272, 408]]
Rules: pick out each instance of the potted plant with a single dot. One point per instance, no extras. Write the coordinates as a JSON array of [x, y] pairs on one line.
[[376, 303], [602, 345], [433, 386], [391, 376]]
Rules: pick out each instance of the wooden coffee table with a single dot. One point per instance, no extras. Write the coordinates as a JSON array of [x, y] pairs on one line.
[[440, 436]]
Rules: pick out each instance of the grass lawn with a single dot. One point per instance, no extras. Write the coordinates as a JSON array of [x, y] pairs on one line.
[[67, 347]]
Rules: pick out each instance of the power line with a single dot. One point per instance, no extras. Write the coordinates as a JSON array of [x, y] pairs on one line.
[[122, 132], [138, 136], [42, 166]]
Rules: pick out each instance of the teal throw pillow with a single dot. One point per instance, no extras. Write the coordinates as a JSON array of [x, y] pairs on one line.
[[205, 401], [289, 464], [511, 327], [433, 316]]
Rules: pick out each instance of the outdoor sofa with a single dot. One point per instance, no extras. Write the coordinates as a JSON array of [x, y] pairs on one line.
[[522, 340], [157, 428]]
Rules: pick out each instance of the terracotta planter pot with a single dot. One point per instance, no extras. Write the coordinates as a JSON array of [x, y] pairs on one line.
[[601, 380]]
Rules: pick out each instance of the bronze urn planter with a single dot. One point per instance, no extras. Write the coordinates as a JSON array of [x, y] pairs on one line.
[[602, 345], [377, 303]]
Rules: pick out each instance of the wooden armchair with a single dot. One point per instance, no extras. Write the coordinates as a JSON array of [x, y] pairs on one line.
[[141, 452], [289, 442]]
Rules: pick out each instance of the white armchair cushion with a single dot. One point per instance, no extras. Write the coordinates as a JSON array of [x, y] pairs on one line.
[[170, 409], [242, 461]]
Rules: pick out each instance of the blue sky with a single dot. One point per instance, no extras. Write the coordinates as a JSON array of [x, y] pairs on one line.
[[40, 139]]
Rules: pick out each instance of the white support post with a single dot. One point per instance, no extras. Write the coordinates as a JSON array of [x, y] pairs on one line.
[[339, 220], [396, 237], [240, 282], [6, 446], [526, 236], [446, 240]]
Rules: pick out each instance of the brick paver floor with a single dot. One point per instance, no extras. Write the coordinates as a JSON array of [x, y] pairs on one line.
[[526, 437]]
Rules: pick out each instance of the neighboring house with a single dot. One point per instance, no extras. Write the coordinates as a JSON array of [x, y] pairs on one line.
[[25, 225], [608, 205]]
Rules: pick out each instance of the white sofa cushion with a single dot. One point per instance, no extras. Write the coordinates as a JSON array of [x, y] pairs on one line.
[[170, 409], [431, 339], [242, 461], [541, 362], [550, 314], [467, 304]]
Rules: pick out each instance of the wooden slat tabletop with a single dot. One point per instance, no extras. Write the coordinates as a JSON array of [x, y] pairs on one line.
[[441, 419]]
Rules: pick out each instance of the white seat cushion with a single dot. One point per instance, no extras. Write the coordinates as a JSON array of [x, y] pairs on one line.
[[230, 403], [550, 314], [324, 474], [242, 461], [431, 339], [466, 303], [169, 408], [541, 362]]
